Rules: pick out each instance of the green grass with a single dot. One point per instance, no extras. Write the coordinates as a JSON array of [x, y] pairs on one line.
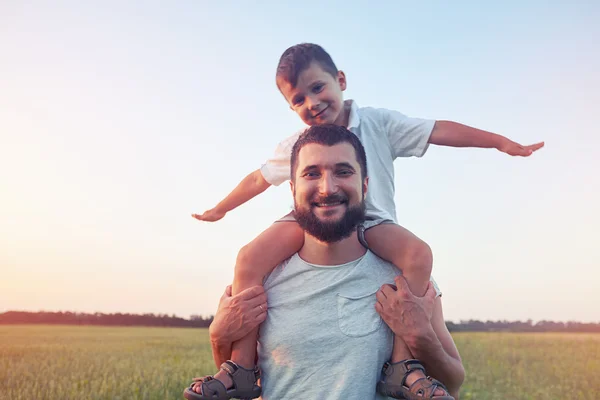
[[523, 366], [68, 362]]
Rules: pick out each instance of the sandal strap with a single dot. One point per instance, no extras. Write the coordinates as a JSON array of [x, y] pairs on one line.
[[210, 386], [405, 367], [437, 384], [231, 367], [243, 379]]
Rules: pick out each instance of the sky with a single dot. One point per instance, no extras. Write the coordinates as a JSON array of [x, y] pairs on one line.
[[120, 119]]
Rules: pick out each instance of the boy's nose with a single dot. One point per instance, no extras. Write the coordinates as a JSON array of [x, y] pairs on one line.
[[313, 103]]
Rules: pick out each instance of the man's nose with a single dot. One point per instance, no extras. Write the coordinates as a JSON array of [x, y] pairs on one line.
[[328, 184]]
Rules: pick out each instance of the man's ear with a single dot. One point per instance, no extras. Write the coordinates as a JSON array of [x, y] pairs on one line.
[[365, 186], [292, 186], [341, 78]]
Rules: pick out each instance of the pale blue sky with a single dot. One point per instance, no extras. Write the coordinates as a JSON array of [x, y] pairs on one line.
[[120, 119]]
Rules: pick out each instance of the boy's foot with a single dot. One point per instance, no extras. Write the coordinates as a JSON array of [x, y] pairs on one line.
[[232, 381], [221, 376], [407, 380]]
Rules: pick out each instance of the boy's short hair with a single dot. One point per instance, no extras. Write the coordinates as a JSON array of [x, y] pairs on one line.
[[329, 135], [298, 58]]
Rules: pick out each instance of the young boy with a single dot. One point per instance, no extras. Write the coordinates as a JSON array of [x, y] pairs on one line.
[[312, 86]]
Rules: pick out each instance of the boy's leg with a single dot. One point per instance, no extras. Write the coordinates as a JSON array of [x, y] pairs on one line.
[[405, 250], [413, 257], [255, 260]]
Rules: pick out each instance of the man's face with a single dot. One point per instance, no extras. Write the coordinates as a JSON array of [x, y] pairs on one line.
[[328, 191], [317, 97]]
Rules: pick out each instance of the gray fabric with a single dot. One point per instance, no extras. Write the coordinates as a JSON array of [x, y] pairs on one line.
[[322, 338]]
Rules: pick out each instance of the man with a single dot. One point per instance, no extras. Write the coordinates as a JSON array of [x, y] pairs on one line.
[[324, 337]]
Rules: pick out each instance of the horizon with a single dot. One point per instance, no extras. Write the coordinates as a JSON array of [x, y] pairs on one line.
[[116, 120], [208, 317]]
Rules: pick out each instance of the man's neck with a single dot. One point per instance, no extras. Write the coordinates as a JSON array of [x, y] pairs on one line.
[[321, 253]]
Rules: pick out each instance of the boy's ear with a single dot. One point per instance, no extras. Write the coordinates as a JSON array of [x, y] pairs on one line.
[[341, 78]]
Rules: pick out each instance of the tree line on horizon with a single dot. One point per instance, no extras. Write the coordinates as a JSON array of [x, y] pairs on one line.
[[197, 321]]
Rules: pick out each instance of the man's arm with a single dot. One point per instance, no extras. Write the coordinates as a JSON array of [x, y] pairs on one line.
[[251, 186], [419, 321], [236, 316], [448, 133]]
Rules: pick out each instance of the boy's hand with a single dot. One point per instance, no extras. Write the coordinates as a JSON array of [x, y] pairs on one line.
[[211, 215], [515, 149]]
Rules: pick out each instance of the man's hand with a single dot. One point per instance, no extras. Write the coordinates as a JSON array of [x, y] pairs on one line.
[[211, 215], [515, 149], [237, 315], [407, 315]]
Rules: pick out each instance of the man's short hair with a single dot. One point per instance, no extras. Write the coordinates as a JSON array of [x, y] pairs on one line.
[[329, 135], [298, 58]]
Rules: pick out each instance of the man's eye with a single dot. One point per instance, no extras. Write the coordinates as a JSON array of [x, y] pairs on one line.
[[345, 172], [311, 175]]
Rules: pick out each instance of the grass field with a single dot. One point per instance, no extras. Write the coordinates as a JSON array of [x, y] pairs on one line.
[[66, 362]]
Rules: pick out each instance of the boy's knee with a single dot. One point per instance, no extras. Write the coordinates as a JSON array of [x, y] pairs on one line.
[[419, 257], [247, 269], [244, 261]]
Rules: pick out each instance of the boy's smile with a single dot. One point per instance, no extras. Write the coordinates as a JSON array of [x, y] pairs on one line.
[[317, 97]]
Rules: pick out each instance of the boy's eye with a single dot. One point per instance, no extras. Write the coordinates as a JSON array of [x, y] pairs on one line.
[[298, 101], [318, 88]]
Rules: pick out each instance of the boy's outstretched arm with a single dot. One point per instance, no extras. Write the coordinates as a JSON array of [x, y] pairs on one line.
[[448, 133], [251, 186]]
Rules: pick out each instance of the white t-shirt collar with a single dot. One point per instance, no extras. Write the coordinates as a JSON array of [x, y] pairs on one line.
[[354, 118]]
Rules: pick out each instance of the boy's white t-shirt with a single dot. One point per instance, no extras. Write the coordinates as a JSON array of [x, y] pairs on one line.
[[385, 135]]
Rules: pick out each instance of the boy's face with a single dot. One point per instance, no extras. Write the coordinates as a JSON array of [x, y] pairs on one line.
[[317, 98]]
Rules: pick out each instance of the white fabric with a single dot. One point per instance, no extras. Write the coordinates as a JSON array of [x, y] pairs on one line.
[[385, 135]]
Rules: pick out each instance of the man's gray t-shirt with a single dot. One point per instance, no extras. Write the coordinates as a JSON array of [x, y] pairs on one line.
[[323, 338]]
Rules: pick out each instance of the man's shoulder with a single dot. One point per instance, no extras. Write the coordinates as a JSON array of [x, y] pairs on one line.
[[373, 259], [378, 265], [283, 266]]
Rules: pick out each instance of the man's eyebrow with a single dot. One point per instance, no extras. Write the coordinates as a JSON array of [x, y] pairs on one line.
[[345, 165], [337, 165], [310, 167]]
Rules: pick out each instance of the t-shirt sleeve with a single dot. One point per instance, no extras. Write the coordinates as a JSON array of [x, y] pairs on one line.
[[408, 137], [438, 292], [276, 169]]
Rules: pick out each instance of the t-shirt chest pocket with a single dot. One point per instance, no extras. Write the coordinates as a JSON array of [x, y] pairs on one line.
[[357, 315]]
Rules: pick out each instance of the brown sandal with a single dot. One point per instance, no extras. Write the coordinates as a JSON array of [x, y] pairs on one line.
[[244, 385], [393, 382]]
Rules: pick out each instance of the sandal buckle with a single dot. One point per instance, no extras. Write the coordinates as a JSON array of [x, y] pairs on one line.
[[386, 368]]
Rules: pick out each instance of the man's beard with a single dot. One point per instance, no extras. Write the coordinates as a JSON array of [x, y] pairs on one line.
[[330, 231]]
